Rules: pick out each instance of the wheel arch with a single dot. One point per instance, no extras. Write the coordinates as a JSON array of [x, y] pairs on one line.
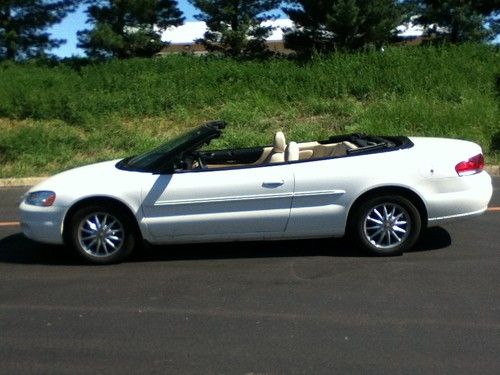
[[96, 200], [405, 192]]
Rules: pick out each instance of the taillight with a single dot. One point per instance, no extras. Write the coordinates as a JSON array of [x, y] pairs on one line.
[[472, 166]]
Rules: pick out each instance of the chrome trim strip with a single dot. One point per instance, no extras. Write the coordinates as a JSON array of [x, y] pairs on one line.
[[248, 198], [457, 216], [220, 200], [319, 192]]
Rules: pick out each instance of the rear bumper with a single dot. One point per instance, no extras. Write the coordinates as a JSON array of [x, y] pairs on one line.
[[464, 197], [42, 224]]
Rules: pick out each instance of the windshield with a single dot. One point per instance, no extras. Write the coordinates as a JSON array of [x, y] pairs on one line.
[[157, 157]]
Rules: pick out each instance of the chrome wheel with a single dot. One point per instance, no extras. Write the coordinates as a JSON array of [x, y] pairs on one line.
[[387, 226], [100, 234]]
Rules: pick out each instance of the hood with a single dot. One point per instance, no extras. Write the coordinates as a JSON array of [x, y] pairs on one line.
[[94, 179], [92, 173]]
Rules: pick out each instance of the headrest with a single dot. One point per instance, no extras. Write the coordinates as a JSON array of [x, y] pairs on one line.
[[279, 142], [292, 152]]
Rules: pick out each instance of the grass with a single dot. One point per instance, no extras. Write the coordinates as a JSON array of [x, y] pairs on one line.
[[56, 117]]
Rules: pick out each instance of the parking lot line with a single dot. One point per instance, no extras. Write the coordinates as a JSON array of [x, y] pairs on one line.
[[9, 224]]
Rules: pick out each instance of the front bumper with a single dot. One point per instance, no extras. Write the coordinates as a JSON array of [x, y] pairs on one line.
[[42, 224]]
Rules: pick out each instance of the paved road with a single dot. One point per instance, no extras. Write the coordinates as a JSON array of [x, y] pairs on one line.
[[302, 307]]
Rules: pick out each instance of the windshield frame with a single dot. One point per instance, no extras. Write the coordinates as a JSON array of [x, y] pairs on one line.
[[163, 157]]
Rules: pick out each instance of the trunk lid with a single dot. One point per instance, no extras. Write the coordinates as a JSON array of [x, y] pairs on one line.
[[440, 156]]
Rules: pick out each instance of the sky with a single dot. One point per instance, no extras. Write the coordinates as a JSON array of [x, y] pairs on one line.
[[77, 21]]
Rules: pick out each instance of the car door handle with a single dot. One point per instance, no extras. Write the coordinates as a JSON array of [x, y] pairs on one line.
[[273, 183]]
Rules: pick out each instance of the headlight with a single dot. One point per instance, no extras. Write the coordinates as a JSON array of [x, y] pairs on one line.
[[41, 198]]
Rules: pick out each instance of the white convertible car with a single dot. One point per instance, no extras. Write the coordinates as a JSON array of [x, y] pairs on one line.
[[382, 191]]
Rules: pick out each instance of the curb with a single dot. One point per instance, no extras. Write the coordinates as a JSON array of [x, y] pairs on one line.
[[493, 170], [20, 182]]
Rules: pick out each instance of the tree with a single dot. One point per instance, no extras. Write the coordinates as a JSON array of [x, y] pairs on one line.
[[128, 28], [458, 21], [235, 26], [329, 25], [24, 24]]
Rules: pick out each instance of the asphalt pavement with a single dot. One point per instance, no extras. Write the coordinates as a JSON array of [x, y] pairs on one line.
[[293, 307]]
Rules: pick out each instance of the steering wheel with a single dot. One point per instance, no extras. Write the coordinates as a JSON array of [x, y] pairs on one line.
[[199, 160]]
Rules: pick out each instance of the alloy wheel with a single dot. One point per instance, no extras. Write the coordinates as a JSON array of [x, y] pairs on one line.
[[100, 234], [387, 226]]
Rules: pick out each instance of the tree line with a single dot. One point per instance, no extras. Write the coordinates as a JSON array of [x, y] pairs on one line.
[[133, 28]]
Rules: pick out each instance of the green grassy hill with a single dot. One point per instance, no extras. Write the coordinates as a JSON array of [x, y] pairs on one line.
[[53, 118]]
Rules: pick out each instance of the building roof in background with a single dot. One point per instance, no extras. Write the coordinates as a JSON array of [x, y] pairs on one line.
[[193, 30]]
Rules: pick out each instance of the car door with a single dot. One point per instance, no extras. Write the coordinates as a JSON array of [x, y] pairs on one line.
[[208, 203], [323, 192]]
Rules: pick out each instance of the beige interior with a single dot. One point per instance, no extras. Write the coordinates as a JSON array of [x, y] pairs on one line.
[[281, 152], [264, 156], [292, 152], [331, 150], [315, 150], [277, 155]]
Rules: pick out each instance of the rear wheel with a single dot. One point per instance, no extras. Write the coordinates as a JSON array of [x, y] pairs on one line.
[[386, 225], [102, 234]]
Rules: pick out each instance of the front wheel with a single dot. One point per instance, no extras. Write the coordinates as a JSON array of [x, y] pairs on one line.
[[102, 234], [386, 225]]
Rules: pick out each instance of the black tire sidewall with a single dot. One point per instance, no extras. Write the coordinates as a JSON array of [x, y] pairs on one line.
[[358, 224], [129, 241]]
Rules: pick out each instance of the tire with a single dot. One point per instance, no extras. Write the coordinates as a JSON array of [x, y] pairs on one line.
[[386, 225], [102, 234]]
